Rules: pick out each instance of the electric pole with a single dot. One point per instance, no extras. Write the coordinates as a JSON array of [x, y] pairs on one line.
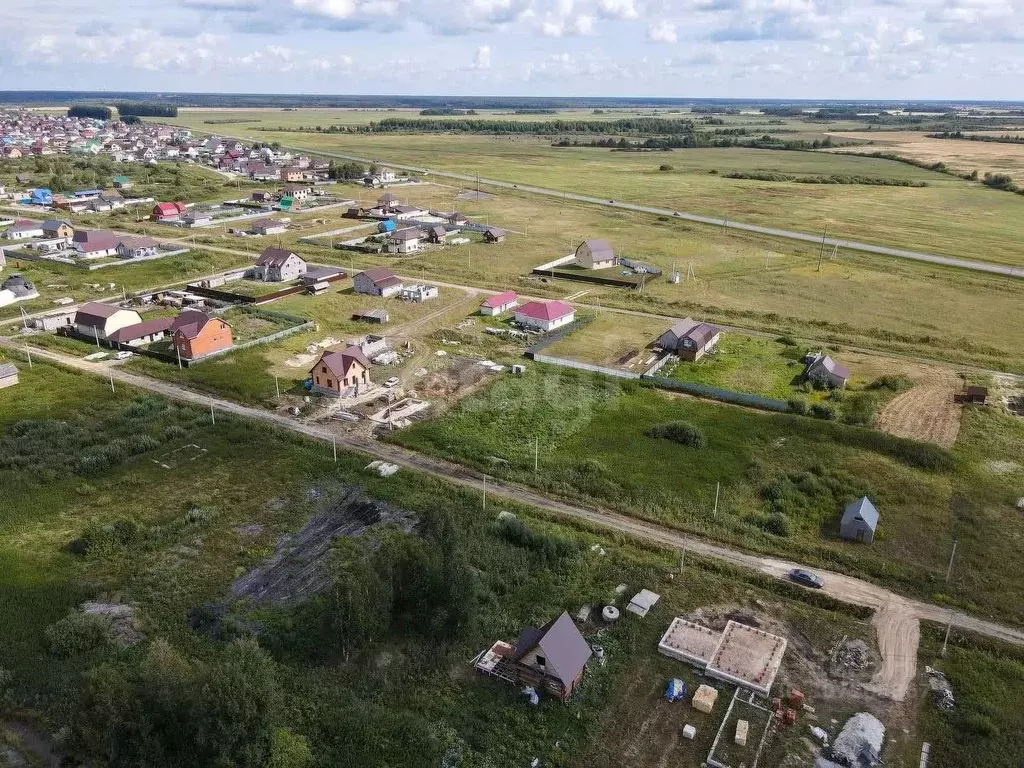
[[821, 252]]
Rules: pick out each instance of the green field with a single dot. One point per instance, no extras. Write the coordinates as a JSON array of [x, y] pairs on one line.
[[166, 510], [950, 216], [784, 479]]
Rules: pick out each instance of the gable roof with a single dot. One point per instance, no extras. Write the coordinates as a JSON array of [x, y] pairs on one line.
[[94, 313], [564, 650], [702, 333], [495, 232], [54, 224], [500, 300], [274, 257], [133, 242], [7, 370], [600, 250], [88, 240], [551, 310], [827, 363], [190, 323], [381, 276], [339, 361], [169, 209], [412, 233], [137, 331], [864, 509]]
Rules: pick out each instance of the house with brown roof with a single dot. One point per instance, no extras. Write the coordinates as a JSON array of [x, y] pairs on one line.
[[378, 281], [196, 334], [596, 254], [495, 235], [343, 373], [552, 658], [143, 333], [278, 265], [690, 339], [824, 371], [96, 320], [137, 247], [95, 243], [405, 240]]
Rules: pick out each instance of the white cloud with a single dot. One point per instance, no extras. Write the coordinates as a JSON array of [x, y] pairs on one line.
[[663, 31], [617, 9], [335, 9], [482, 58]]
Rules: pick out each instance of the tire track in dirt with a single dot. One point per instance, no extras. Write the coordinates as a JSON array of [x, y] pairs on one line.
[[925, 412]]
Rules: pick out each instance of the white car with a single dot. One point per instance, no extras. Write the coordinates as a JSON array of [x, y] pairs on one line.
[[123, 355], [394, 381]]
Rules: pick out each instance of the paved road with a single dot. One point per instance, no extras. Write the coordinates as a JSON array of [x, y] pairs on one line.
[[789, 234], [896, 619]]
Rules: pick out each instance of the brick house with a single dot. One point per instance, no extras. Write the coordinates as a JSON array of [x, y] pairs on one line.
[[196, 334], [340, 373]]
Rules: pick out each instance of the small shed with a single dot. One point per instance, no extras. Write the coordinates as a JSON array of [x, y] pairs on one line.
[[859, 521], [8, 375], [972, 394]]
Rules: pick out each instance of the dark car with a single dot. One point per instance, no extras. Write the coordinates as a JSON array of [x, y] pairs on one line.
[[808, 579]]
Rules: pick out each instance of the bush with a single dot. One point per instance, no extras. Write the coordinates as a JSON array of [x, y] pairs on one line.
[[797, 405], [823, 411], [665, 167], [681, 432], [892, 383], [776, 524], [550, 548], [788, 341], [981, 725], [77, 633]]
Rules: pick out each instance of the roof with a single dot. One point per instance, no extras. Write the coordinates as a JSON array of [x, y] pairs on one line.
[[132, 242], [94, 313], [55, 223], [169, 209], [321, 273], [702, 333], [495, 232], [24, 225], [539, 310], [407, 234], [500, 300], [274, 257], [560, 642], [95, 240], [381, 276], [831, 366], [601, 250], [190, 323], [339, 362], [266, 224], [137, 331], [864, 509], [377, 314], [387, 197], [7, 370]]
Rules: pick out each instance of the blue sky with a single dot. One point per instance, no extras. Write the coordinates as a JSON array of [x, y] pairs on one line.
[[857, 49]]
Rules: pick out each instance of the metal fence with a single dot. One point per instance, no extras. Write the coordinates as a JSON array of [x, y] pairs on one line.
[[714, 393], [566, 363], [550, 338]]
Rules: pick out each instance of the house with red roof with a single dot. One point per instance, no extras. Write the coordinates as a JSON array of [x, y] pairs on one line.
[[95, 243], [168, 211], [196, 334], [341, 373], [502, 302], [545, 316]]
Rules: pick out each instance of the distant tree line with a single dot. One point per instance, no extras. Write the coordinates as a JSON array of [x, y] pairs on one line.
[[140, 109], [446, 112], [636, 126], [1004, 139], [88, 110], [347, 170], [835, 178], [539, 111], [696, 140]]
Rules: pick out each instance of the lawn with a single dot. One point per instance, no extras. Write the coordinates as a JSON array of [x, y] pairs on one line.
[[174, 508], [753, 365], [611, 340], [950, 216], [784, 479]]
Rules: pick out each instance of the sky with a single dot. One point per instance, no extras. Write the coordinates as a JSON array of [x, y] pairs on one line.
[[817, 49]]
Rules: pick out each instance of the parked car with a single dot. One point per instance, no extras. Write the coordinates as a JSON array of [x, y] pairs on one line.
[[392, 382], [806, 578], [124, 355]]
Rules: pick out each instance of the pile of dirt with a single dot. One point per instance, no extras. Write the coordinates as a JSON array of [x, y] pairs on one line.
[[858, 744], [462, 375], [850, 656], [942, 691], [123, 629]]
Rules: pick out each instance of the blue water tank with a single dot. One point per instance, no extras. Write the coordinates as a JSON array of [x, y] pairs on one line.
[[387, 226]]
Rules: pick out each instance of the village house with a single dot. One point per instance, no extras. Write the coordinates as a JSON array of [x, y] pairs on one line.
[[168, 211], [341, 373], [260, 172], [322, 274], [437, 234], [499, 303], [262, 196], [122, 182], [17, 288], [196, 334], [822, 370], [24, 229], [495, 235], [197, 219], [8, 375], [372, 316], [137, 247], [277, 265], [690, 339], [378, 281], [418, 293], [297, 191], [455, 218], [596, 254], [96, 320], [550, 659], [405, 241], [544, 316], [267, 227], [55, 229], [95, 243], [143, 333], [112, 198], [859, 521]]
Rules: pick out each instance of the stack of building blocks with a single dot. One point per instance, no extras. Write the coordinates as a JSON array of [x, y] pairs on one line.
[[742, 726], [789, 716], [689, 731], [796, 699], [705, 698]]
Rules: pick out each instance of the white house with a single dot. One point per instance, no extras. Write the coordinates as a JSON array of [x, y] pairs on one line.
[[277, 265], [24, 229], [405, 241], [99, 321], [502, 302], [137, 247], [545, 316], [418, 293]]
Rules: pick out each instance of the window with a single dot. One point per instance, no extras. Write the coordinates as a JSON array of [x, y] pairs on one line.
[[330, 383], [541, 661], [323, 369]]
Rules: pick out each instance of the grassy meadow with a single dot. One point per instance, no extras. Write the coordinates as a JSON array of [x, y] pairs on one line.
[[949, 216], [784, 479], [167, 509]]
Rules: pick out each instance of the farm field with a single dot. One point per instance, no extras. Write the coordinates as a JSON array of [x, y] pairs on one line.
[[784, 479], [950, 216], [167, 510]]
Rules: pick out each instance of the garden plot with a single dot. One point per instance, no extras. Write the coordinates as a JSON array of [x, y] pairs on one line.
[[612, 341]]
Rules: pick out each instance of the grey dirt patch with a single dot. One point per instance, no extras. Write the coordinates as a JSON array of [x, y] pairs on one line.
[[298, 568]]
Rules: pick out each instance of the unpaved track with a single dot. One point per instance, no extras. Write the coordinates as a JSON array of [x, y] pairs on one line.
[[896, 619], [925, 412]]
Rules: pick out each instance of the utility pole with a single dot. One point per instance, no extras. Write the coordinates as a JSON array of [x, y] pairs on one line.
[[96, 334], [949, 568], [682, 558], [821, 252], [111, 372], [29, 353], [949, 626], [485, 494], [277, 387], [179, 356], [718, 487], [536, 453], [334, 444], [213, 418]]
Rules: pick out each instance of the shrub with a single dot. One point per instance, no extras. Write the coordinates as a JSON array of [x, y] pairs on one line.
[[665, 167], [797, 405], [77, 633], [981, 725], [892, 383], [788, 341], [550, 548], [713, 172], [776, 524], [823, 411], [681, 432]]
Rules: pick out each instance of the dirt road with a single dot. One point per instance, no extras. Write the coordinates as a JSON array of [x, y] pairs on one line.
[[896, 619]]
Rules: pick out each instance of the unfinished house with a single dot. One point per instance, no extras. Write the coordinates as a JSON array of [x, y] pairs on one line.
[[596, 254], [552, 658], [689, 339], [278, 265]]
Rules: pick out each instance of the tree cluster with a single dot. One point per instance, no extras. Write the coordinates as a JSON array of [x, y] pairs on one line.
[[141, 109], [89, 110]]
